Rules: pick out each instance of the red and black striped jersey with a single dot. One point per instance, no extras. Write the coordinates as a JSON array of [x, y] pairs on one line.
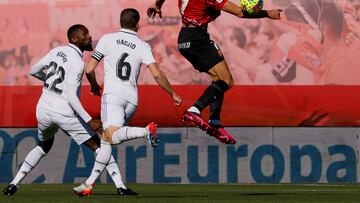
[[199, 12]]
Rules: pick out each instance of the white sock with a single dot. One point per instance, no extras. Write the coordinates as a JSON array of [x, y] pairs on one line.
[[193, 109], [101, 160], [128, 133], [114, 172], [31, 160]]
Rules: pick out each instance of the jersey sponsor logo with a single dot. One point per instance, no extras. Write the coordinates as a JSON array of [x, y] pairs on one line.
[[125, 43], [192, 21], [219, 1]]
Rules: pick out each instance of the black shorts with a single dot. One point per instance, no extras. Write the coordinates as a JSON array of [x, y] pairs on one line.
[[195, 45]]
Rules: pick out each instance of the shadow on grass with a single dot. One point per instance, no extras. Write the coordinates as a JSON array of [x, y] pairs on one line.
[[154, 196]]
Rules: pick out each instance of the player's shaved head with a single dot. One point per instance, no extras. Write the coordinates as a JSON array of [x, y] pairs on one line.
[[79, 36], [74, 30], [129, 18]]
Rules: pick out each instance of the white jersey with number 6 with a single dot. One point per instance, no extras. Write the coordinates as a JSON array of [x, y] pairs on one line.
[[124, 52]]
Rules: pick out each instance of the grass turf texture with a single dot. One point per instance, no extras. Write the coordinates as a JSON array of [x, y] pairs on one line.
[[287, 193]]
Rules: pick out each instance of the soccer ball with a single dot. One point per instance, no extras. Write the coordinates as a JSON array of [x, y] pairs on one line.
[[251, 6]]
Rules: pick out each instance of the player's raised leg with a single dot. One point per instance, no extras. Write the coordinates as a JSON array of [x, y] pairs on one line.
[[214, 94], [115, 135]]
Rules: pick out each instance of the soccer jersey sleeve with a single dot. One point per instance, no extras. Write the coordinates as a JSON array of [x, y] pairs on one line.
[[37, 69], [73, 83], [216, 4], [100, 50], [148, 57]]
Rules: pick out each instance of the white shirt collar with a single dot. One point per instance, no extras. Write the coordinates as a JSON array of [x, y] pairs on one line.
[[128, 31], [76, 49]]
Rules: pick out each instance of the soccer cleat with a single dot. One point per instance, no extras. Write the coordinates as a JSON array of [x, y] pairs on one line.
[[220, 134], [197, 120], [127, 191], [10, 189], [83, 190], [152, 136]]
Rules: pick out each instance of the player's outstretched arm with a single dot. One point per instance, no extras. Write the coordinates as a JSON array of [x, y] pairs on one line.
[[161, 79], [155, 9], [235, 10], [90, 75], [37, 70]]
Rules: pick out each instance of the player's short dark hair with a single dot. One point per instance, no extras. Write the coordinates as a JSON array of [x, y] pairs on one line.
[[73, 29], [129, 18]]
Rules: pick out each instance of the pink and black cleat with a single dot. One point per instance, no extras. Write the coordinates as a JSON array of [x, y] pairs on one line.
[[197, 120], [220, 134]]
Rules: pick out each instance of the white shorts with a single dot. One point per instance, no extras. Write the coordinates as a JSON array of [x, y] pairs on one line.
[[116, 111], [50, 122]]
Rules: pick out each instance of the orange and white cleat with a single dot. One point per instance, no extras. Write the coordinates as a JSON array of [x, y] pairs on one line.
[[83, 190], [152, 136]]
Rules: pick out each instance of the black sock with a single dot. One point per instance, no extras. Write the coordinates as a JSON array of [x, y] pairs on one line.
[[215, 108], [211, 94]]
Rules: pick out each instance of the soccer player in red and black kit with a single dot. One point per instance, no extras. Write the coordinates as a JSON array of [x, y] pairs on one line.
[[195, 45]]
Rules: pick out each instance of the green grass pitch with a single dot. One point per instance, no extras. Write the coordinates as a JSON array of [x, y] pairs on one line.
[[247, 193]]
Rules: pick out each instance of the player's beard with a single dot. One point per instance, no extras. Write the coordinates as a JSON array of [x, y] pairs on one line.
[[88, 47]]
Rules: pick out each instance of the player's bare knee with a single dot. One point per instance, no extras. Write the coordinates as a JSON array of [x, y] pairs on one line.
[[46, 145], [93, 143], [108, 133], [107, 136], [230, 82]]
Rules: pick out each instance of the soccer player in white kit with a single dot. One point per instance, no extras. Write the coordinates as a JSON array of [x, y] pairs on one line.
[[59, 105], [124, 52]]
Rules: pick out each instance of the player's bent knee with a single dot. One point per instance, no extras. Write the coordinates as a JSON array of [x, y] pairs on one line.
[[46, 145], [230, 82], [228, 79], [107, 137], [108, 133]]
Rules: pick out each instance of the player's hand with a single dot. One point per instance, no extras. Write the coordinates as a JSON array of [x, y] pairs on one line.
[[177, 99], [95, 90], [153, 10], [95, 125], [274, 14]]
